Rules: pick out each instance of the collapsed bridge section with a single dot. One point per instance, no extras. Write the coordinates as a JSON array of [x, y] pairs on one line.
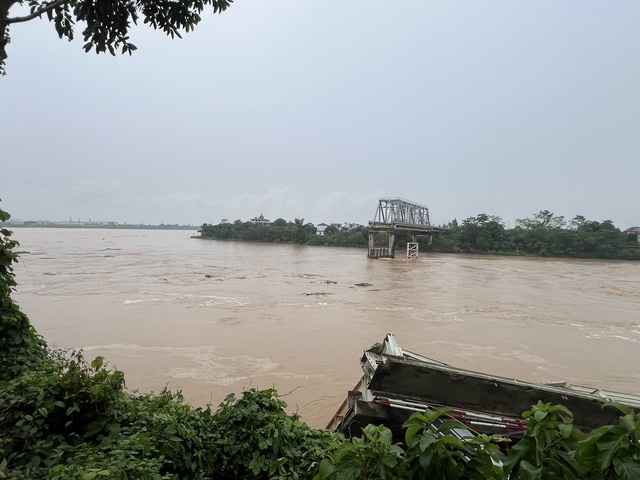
[[395, 215]]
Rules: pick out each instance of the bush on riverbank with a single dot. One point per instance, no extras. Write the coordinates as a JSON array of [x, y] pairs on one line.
[[73, 420], [20, 346], [551, 449]]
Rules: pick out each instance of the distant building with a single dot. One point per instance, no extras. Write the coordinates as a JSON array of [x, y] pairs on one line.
[[15, 221], [260, 219], [350, 225], [322, 227], [634, 231]]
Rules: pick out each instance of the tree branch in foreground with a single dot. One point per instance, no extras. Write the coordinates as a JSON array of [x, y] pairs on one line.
[[36, 13]]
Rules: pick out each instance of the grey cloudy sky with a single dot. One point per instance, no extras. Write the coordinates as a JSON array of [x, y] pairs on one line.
[[298, 108]]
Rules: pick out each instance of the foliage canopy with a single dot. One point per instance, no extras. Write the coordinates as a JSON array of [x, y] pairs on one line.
[[106, 24]]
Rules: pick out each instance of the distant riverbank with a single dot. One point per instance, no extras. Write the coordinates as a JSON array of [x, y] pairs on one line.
[[107, 226], [545, 235]]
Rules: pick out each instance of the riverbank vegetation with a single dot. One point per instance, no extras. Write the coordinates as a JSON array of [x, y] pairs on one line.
[[281, 231], [544, 235], [62, 417]]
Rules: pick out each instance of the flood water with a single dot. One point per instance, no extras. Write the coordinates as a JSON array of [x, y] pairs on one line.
[[212, 317]]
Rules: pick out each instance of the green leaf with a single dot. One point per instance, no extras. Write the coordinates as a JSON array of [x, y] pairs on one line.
[[629, 423], [426, 441], [255, 468], [540, 415], [529, 472], [610, 443], [97, 363], [627, 468], [566, 429], [325, 470], [411, 431], [561, 408], [425, 458], [627, 410], [452, 441]]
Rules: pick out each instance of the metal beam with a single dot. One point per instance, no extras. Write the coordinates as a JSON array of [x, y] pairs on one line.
[[398, 210]]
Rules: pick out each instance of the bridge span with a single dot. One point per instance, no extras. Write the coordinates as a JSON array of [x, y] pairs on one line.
[[395, 215]]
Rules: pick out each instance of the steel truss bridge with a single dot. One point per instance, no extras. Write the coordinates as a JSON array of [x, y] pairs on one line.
[[395, 215]]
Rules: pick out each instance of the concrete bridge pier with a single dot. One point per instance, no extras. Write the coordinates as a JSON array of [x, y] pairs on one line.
[[381, 252]]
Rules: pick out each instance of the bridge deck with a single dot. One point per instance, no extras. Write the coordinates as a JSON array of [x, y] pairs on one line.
[[377, 227]]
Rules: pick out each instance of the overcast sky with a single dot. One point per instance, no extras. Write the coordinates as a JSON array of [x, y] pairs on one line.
[[299, 108]]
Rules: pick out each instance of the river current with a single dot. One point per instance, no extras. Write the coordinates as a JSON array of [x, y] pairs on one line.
[[213, 317]]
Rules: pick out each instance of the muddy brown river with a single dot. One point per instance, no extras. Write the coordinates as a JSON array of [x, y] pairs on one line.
[[212, 317]]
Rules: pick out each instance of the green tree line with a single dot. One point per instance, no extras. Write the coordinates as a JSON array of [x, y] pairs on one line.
[[281, 231], [544, 234]]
